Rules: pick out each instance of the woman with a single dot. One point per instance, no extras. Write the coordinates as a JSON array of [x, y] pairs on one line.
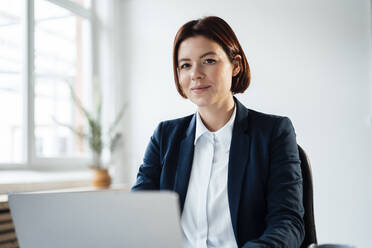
[[237, 171]]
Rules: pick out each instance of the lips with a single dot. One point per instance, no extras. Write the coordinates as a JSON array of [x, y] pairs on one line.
[[200, 89]]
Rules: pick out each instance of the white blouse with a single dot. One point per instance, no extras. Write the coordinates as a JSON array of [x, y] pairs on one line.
[[206, 220]]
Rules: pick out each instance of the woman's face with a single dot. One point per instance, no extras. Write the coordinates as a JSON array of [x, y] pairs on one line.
[[205, 72]]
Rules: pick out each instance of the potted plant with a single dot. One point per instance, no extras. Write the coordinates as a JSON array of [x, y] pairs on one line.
[[96, 137]]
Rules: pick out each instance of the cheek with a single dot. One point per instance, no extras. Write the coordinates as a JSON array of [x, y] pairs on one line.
[[227, 70], [228, 76], [182, 78], [184, 74], [224, 77]]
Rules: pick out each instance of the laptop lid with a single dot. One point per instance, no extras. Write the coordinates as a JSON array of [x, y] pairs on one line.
[[96, 219]]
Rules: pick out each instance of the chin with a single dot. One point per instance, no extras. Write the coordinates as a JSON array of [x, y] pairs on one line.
[[201, 102]]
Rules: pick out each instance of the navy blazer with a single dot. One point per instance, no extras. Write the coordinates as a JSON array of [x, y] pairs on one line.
[[264, 176]]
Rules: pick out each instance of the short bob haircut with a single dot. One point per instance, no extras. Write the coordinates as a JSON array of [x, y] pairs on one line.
[[216, 29]]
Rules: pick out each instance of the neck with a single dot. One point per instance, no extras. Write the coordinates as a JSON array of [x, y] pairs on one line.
[[216, 116]]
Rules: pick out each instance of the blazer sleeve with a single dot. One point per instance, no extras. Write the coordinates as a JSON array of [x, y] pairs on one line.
[[284, 218], [148, 177]]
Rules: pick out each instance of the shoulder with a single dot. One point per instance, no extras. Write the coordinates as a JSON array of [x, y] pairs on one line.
[[256, 120], [174, 123], [267, 124], [263, 124], [174, 126], [264, 118]]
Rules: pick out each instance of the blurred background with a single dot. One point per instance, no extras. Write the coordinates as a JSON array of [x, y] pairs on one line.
[[310, 61]]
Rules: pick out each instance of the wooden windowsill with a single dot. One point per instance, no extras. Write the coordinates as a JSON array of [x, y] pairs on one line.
[[42, 180]]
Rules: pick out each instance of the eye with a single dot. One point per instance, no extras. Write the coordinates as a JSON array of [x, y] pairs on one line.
[[184, 66], [209, 61]]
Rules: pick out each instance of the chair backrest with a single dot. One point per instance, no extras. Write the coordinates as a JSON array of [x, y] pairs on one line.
[[310, 232], [331, 246]]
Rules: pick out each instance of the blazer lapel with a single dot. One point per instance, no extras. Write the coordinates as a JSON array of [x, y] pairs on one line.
[[185, 159], [238, 159]]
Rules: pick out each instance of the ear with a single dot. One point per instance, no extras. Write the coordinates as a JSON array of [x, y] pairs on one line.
[[236, 65]]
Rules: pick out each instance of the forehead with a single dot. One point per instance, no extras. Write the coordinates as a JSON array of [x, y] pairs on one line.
[[198, 45]]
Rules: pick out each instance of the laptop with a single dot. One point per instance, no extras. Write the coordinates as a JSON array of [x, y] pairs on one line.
[[96, 219]]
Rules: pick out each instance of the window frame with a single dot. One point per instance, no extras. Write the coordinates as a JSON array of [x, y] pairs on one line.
[[31, 160]]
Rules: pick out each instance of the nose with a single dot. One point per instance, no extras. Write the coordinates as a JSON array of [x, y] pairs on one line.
[[197, 72]]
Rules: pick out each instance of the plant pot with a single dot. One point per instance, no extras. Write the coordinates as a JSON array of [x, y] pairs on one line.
[[101, 178]]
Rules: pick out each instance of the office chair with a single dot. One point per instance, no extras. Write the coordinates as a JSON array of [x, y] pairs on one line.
[[310, 240], [330, 246], [310, 232]]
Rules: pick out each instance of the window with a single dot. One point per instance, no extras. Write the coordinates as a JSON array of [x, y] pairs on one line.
[[44, 47], [11, 105]]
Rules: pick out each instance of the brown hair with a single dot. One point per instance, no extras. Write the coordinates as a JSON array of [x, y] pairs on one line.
[[216, 29]]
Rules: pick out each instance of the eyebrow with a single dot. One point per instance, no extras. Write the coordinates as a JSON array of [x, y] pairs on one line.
[[202, 56]]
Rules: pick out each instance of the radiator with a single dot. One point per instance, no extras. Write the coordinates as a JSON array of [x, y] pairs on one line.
[[8, 238]]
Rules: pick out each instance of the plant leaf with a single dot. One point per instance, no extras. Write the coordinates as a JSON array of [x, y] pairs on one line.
[[79, 105], [117, 119], [74, 130]]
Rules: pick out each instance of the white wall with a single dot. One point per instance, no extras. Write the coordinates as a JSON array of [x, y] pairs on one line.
[[110, 52], [310, 60]]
